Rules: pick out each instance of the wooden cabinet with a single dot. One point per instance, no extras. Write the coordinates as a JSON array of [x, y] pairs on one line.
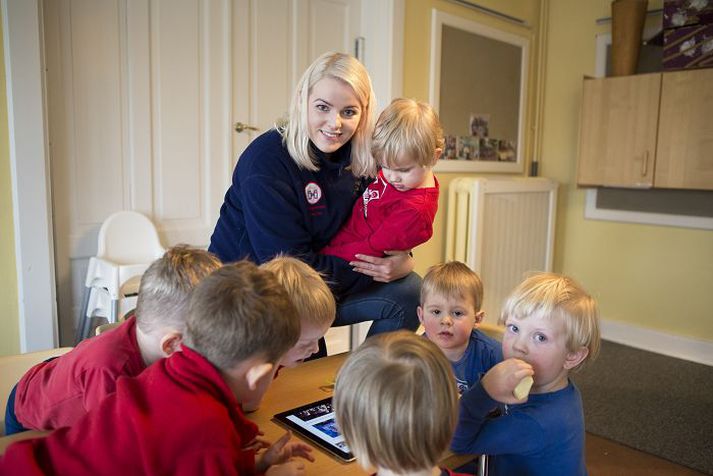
[[648, 131]]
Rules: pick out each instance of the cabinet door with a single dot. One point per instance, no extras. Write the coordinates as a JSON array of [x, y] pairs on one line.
[[685, 148], [618, 131]]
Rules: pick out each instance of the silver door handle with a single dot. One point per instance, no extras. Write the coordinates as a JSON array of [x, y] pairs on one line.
[[240, 127]]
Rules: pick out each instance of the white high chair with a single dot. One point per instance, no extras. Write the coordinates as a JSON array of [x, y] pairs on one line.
[[127, 244]]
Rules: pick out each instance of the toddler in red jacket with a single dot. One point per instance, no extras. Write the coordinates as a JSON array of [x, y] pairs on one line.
[[182, 415], [58, 392], [396, 211]]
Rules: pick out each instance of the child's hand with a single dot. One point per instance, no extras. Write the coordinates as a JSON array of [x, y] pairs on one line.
[[291, 468], [282, 452], [257, 443], [500, 381]]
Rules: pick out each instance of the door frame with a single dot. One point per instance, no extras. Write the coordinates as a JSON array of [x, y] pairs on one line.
[[29, 157]]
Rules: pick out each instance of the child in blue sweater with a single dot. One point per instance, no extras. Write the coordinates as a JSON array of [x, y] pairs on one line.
[[551, 328], [450, 311]]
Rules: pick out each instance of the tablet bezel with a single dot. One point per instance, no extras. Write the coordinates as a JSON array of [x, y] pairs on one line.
[[327, 446]]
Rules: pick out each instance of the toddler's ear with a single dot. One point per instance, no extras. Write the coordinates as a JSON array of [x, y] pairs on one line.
[[479, 317], [419, 312], [258, 372], [437, 153], [171, 342], [575, 358]]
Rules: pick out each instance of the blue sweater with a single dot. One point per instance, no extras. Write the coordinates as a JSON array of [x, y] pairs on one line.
[[274, 207], [481, 354], [543, 436]]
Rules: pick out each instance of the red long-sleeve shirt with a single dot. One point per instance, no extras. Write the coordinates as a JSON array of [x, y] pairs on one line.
[[178, 417], [59, 392], [385, 219]]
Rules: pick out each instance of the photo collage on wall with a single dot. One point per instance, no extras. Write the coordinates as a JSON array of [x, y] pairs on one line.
[[479, 145]]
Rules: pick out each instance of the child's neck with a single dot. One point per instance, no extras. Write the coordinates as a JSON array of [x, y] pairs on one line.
[[429, 180], [147, 346], [435, 471]]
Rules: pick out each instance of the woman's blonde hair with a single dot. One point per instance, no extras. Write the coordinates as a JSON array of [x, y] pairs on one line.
[[295, 134], [407, 128], [396, 402], [553, 296], [309, 293]]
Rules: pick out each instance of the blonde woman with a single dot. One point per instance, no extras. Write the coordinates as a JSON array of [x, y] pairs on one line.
[[295, 186]]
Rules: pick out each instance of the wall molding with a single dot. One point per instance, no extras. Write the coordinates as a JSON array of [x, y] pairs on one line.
[[687, 348]]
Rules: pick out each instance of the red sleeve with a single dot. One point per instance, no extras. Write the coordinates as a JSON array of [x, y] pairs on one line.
[[216, 462], [402, 231], [98, 384]]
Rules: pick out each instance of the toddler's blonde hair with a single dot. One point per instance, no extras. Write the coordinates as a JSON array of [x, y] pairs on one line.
[[396, 402], [407, 129], [166, 287], [309, 293], [554, 296], [454, 280], [241, 311]]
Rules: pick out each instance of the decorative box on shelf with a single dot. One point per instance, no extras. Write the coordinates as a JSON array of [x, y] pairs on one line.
[[688, 47], [679, 13]]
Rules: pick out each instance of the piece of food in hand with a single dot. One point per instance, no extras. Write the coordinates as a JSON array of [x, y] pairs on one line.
[[523, 388]]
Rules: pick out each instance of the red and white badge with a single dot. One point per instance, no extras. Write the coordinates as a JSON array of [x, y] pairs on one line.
[[313, 193]]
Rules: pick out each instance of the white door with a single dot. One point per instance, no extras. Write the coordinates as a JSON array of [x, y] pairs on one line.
[[141, 101]]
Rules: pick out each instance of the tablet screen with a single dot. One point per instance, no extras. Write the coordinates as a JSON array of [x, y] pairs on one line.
[[316, 422]]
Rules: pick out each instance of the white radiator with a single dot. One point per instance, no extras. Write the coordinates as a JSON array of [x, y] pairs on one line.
[[501, 228]]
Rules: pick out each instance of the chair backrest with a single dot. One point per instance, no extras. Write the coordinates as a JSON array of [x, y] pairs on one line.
[[128, 237], [13, 367], [493, 330]]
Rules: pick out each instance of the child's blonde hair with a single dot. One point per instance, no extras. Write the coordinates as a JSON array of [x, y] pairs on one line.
[[309, 293], [166, 286], [240, 311], [396, 402], [407, 128], [553, 296], [454, 280], [295, 135]]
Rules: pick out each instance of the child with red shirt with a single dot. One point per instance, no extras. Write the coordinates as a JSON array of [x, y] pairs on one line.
[[182, 415], [58, 392], [396, 211]]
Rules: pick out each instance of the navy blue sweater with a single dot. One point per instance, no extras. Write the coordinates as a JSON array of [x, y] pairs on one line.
[[274, 207], [541, 437]]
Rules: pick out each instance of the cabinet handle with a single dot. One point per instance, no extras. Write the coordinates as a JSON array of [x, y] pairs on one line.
[[645, 164]]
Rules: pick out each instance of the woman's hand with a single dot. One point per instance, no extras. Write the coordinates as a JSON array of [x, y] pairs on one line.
[[395, 265]]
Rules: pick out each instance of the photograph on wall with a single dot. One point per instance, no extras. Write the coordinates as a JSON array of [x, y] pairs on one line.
[[489, 149], [479, 124], [507, 151], [468, 148], [449, 148]]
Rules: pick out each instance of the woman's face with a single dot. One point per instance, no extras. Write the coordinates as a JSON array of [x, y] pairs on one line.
[[333, 114]]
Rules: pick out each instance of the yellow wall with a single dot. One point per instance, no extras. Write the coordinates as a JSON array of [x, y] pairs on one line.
[[648, 276], [9, 332]]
